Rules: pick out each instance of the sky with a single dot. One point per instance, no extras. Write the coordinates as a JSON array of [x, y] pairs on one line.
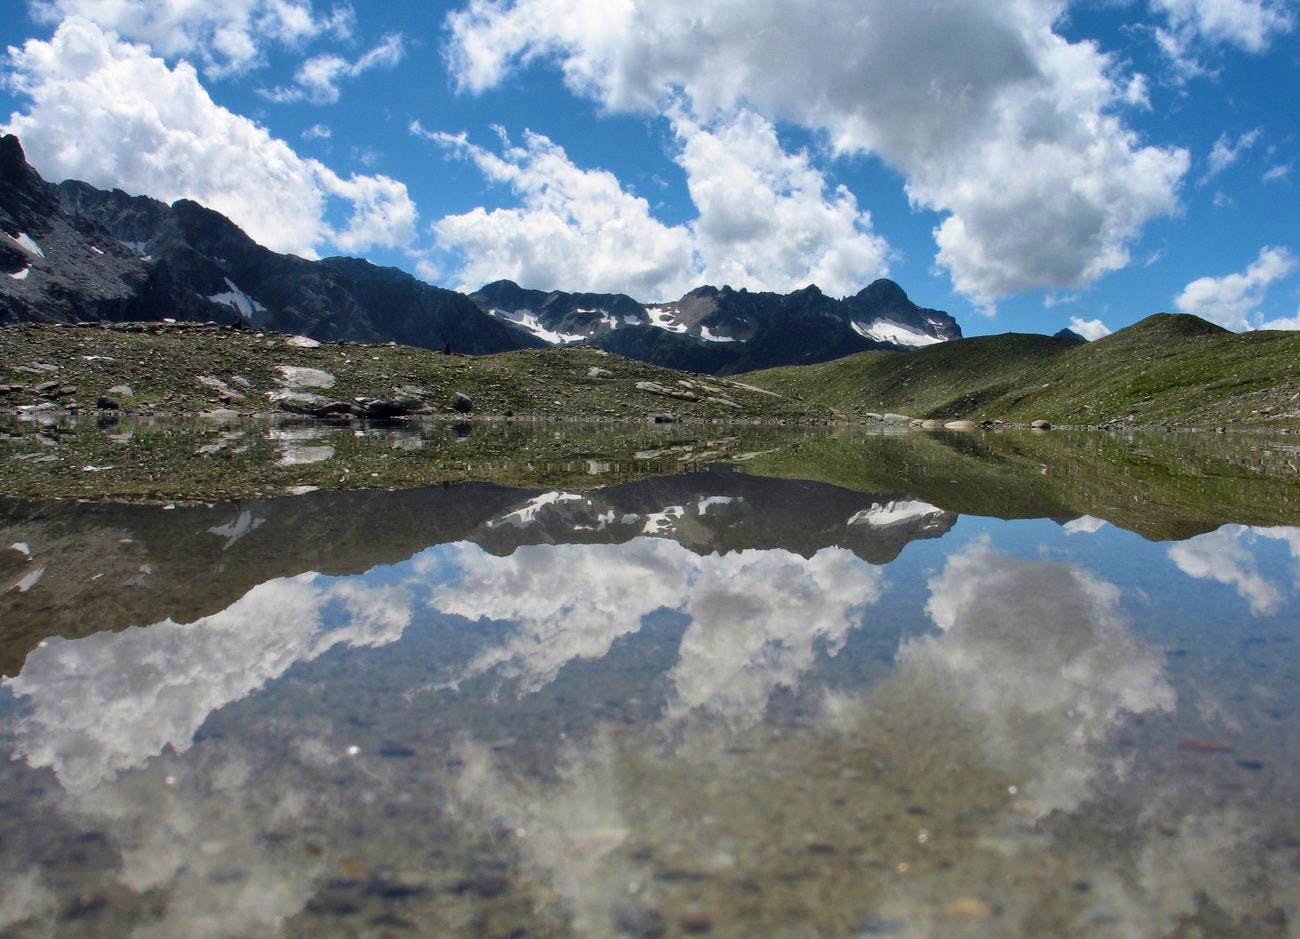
[[1025, 165]]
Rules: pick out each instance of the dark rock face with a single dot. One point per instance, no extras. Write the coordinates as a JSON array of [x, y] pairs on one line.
[[101, 255], [725, 331]]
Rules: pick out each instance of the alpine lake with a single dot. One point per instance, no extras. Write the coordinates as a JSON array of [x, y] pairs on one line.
[[519, 679]]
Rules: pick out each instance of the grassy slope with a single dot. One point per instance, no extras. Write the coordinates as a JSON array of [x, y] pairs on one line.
[[162, 366], [1172, 369]]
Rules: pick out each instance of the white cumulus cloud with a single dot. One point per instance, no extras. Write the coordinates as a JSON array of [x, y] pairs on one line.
[[1008, 130], [1192, 25], [574, 227], [113, 114], [1232, 301], [224, 37], [317, 80], [766, 219], [1226, 152], [1089, 329]]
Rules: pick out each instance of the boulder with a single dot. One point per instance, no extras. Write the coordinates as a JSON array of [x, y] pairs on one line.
[[462, 402], [108, 403], [655, 388], [1041, 425], [597, 372], [931, 424], [663, 417], [122, 391], [961, 425], [895, 419], [298, 376]]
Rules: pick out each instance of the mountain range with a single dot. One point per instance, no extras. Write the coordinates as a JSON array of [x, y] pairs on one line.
[[72, 252]]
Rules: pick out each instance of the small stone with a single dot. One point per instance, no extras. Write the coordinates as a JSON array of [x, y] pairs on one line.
[[696, 923], [970, 908]]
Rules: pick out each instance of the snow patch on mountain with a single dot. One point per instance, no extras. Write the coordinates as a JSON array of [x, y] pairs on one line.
[[25, 242], [245, 305], [658, 523], [894, 513], [710, 337], [21, 275], [529, 321], [527, 514], [889, 331], [664, 319]]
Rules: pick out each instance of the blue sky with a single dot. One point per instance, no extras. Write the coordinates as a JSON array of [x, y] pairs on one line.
[[1022, 165]]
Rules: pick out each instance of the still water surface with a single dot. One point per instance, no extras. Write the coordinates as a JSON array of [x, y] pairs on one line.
[[702, 704]]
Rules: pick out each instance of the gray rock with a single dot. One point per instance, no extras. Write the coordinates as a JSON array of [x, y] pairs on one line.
[[462, 402], [1041, 425], [655, 388], [895, 419], [597, 372], [46, 387], [108, 403], [961, 425], [931, 424], [122, 391], [663, 417]]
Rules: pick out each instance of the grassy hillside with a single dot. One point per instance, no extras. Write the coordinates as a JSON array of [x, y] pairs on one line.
[[1173, 369], [186, 368]]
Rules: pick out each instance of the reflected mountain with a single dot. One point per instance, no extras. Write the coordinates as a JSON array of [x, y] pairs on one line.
[[107, 566]]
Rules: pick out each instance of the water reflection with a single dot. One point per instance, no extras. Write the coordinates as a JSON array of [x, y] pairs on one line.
[[709, 703]]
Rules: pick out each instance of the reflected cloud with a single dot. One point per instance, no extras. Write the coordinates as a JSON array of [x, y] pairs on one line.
[[1084, 525], [93, 707], [1037, 656], [1224, 556], [756, 616], [1031, 671]]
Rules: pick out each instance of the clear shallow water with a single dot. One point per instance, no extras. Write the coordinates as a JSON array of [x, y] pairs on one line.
[[702, 704]]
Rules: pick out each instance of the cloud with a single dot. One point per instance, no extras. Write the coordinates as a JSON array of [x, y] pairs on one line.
[[1004, 127], [111, 113], [1089, 329], [1231, 300], [574, 227], [757, 617], [766, 219], [1225, 152], [317, 132], [317, 79], [1223, 556], [106, 703], [1084, 525], [1277, 173], [225, 37], [1041, 706], [1197, 25]]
